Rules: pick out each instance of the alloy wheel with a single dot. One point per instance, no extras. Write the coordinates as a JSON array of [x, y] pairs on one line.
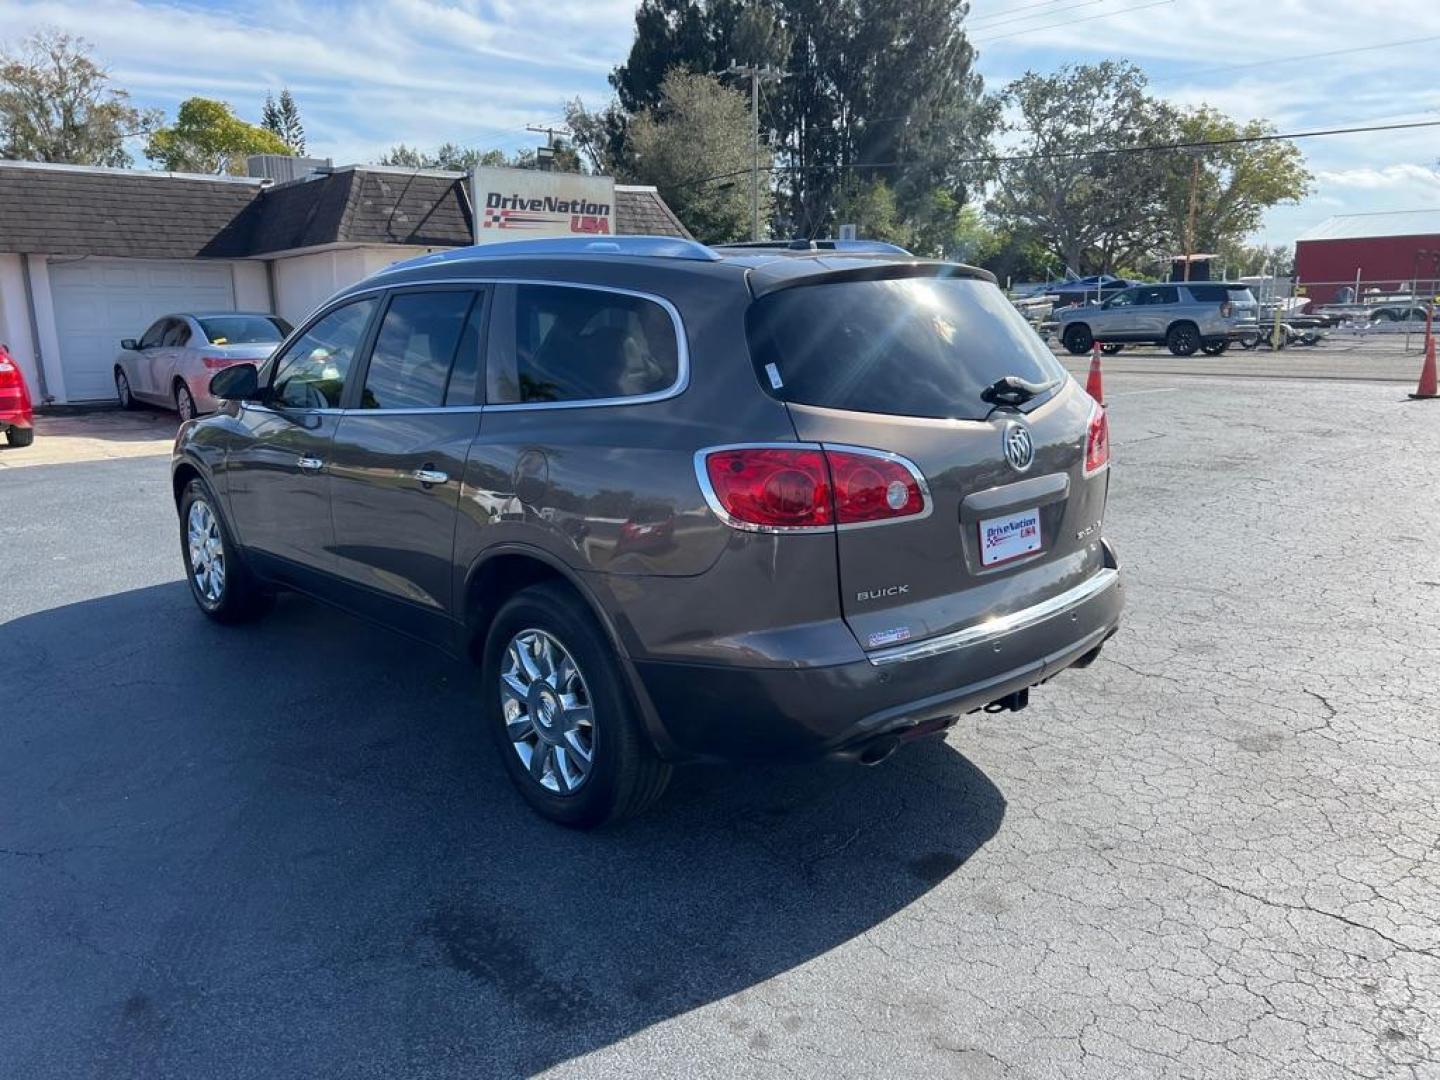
[[207, 551], [548, 713], [122, 389]]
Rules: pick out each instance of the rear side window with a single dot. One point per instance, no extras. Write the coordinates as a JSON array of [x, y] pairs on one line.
[[415, 352], [908, 347], [1219, 294], [178, 333], [551, 343]]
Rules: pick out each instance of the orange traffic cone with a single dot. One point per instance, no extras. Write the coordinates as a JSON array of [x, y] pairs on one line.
[[1427, 388], [1096, 388]]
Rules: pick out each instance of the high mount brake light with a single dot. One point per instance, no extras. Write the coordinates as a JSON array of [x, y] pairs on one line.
[[1097, 441], [789, 488]]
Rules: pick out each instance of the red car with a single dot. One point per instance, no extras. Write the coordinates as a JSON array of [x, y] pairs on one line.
[[17, 415]]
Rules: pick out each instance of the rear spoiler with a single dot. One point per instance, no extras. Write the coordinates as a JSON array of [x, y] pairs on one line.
[[763, 281]]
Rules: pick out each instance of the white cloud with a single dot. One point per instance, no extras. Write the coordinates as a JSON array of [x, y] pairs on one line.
[[1415, 177], [1255, 63], [367, 73]]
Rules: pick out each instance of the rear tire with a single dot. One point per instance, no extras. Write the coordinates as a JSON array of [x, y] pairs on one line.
[[1183, 339], [19, 436], [545, 643], [1215, 348], [184, 402], [1110, 348], [221, 584], [1078, 339]]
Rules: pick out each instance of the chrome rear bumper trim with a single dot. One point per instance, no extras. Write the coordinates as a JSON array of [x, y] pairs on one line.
[[1000, 625]]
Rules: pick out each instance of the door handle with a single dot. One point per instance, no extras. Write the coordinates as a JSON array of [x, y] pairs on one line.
[[429, 477], [310, 464]]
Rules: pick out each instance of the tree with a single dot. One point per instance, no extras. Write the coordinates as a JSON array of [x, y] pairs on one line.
[[282, 119], [1094, 211], [454, 158], [875, 90], [57, 104], [1241, 259], [699, 129], [1233, 185], [207, 137]]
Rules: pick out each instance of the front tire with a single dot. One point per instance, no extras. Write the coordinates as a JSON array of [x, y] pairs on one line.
[[1183, 339], [223, 587], [1215, 348], [1078, 339], [561, 716], [1110, 348], [123, 391]]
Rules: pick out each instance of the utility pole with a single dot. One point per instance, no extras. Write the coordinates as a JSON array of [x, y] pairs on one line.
[[756, 75], [1190, 221], [545, 156]]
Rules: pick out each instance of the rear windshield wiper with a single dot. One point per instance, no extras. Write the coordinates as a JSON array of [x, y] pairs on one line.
[[1013, 390]]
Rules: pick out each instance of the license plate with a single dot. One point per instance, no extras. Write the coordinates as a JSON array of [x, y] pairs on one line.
[[1009, 537]]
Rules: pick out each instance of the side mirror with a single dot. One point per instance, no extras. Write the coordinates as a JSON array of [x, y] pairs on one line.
[[129, 344], [238, 383]]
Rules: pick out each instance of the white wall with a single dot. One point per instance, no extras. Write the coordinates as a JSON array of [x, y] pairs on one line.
[[15, 320], [304, 282], [252, 286]]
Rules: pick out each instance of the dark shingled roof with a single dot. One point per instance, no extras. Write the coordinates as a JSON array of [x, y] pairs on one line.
[[641, 212], [63, 211], [114, 212]]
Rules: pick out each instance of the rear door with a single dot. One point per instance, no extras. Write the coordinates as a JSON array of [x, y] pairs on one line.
[[899, 366], [398, 455], [1156, 308]]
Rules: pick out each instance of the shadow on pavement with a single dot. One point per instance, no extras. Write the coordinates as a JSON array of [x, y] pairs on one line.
[[288, 849]]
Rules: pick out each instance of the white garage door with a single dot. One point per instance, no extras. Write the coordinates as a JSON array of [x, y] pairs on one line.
[[100, 301]]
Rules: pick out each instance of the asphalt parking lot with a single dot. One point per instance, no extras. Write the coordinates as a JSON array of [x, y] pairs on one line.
[[286, 850]]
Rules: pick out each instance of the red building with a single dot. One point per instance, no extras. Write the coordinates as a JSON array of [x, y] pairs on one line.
[[1387, 250]]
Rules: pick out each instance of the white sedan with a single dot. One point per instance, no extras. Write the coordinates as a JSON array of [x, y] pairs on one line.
[[173, 362]]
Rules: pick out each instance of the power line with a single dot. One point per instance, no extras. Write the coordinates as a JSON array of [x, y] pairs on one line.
[[1007, 159], [1067, 22], [1010, 11], [1293, 59], [997, 20]]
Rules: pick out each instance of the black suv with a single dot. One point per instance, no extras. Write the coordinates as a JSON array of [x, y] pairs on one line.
[[680, 504]]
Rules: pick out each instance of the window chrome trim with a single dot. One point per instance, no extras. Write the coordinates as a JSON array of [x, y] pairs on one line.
[[713, 500], [682, 345], [997, 627]]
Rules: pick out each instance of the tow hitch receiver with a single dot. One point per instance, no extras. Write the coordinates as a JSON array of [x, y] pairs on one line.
[[1010, 702]]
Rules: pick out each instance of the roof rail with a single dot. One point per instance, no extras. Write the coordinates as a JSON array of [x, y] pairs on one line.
[[875, 247], [655, 247]]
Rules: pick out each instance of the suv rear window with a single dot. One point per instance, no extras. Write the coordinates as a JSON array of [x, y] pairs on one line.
[[909, 347], [1219, 294]]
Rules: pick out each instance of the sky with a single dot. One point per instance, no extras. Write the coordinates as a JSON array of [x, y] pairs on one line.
[[371, 73]]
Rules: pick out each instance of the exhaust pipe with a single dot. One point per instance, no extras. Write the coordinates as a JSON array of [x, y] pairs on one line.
[[877, 751]]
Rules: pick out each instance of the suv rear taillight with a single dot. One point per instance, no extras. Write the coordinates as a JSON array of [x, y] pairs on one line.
[[787, 488], [1097, 441], [1227, 309]]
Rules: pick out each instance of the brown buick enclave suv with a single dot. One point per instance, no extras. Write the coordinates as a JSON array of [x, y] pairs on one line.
[[681, 503]]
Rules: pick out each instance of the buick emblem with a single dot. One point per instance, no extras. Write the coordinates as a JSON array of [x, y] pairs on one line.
[[1019, 450]]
